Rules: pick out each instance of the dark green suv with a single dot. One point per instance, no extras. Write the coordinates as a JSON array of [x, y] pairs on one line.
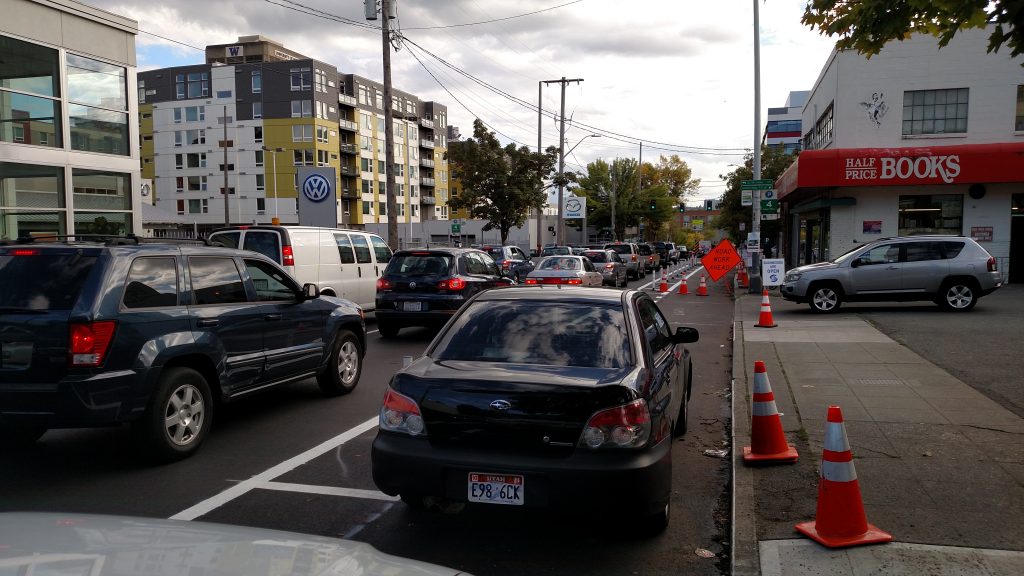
[[157, 335]]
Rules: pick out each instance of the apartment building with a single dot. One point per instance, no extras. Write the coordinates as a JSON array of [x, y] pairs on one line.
[[68, 159], [272, 111], [784, 127]]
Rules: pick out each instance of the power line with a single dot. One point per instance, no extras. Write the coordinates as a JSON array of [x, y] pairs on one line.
[[496, 19]]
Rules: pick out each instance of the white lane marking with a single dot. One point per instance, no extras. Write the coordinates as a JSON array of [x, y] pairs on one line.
[[240, 489], [327, 491], [672, 289], [371, 331]]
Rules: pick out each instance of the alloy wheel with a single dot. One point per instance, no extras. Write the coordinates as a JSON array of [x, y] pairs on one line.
[[184, 415], [348, 362]]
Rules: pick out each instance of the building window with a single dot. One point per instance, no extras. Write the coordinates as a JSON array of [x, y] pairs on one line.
[[261, 205], [383, 208], [257, 109], [1019, 126], [931, 214], [257, 134], [320, 84], [367, 205], [302, 157], [257, 81], [179, 184], [181, 206], [302, 133], [195, 113], [321, 110], [179, 161], [223, 93], [821, 134], [935, 111], [198, 206], [197, 85], [367, 186], [302, 78], [302, 109], [322, 157], [179, 86], [259, 158], [196, 183], [178, 117], [261, 182], [321, 134]]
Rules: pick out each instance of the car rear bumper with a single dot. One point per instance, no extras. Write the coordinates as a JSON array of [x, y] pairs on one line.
[[98, 400], [634, 481]]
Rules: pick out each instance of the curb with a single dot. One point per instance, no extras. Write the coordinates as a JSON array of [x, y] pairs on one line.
[[744, 556]]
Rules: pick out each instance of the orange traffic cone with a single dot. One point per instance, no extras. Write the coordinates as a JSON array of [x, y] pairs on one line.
[[765, 320], [683, 288], [742, 277], [664, 282], [702, 290], [840, 520], [767, 441]]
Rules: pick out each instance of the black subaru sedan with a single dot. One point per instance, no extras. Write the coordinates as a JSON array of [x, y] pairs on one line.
[[541, 397]]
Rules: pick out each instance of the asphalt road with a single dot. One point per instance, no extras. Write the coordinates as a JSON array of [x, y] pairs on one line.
[[291, 459]]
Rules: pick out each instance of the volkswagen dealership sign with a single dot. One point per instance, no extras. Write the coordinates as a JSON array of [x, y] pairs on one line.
[[317, 199]]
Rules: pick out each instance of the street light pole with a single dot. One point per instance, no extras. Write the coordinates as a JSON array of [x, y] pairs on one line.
[[560, 239], [276, 221], [540, 179]]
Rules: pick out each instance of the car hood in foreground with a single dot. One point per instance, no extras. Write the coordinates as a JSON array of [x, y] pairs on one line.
[[115, 545]]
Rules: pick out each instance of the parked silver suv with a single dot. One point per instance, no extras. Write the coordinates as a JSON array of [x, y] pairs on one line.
[[952, 271]]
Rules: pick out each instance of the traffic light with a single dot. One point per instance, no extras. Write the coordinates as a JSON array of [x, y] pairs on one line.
[[682, 208], [654, 205]]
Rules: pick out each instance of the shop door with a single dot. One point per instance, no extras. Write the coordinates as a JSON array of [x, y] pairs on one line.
[[1016, 249]]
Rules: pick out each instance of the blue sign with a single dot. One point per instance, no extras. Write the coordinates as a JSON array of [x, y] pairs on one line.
[[316, 188]]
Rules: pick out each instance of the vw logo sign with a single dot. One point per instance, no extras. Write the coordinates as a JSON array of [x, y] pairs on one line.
[[316, 188], [412, 285], [501, 404], [573, 205]]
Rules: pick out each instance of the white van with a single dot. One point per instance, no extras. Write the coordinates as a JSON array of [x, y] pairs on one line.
[[343, 263]]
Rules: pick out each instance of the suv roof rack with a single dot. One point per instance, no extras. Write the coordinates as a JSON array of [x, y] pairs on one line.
[[106, 239]]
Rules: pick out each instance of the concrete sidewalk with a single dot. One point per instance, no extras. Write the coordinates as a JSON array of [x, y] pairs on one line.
[[940, 466]]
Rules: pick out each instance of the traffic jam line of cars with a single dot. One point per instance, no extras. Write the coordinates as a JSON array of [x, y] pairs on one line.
[[534, 396]]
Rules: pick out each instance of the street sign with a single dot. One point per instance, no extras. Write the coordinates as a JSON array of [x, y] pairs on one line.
[[769, 216], [720, 260], [746, 197], [765, 184], [743, 226], [456, 228], [773, 271], [753, 243], [770, 206]]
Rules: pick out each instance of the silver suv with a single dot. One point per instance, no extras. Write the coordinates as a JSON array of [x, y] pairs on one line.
[[952, 271]]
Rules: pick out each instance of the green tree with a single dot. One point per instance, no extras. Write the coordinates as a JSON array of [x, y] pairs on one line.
[[867, 25], [773, 163], [603, 181], [499, 184]]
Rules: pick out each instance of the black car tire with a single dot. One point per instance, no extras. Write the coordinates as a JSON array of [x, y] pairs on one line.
[[344, 366], [20, 436], [683, 419], [824, 298], [622, 283], [415, 502], [958, 295], [658, 522], [152, 430], [386, 329]]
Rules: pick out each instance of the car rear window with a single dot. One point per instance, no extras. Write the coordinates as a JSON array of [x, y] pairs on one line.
[[556, 251], [560, 264], [620, 248], [646, 250], [582, 334], [952, 249], [596, 256], [266, 243], [425, 264], [34, 280]]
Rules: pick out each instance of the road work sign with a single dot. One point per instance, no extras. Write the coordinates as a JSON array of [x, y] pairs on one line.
[[720, 260]]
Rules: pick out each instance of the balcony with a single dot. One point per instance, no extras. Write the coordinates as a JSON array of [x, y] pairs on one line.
[[426, 181], [427, 144], [348, 171], [426, 162], [427, 123], [346, 100], [428, 200], [348, 148], [348, 125]]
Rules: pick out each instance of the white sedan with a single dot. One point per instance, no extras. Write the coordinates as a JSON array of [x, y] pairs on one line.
[[569, 270]]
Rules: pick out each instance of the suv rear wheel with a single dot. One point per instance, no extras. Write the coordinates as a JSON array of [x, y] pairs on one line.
[[958, 295], [179, 414], [825, 298], [341, 374], [386, 329]]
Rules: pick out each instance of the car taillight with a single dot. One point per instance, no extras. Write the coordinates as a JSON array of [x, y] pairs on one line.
[[633, 257], [383, 284], [401, 414], [89, 342], [992, 264], [287, 256], [531, 280], [454, 284], [504, 265], [609, 266], [626, 426], [24, 252], [571, 281]]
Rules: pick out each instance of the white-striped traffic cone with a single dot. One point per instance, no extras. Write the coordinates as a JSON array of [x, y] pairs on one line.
[[767, 440]]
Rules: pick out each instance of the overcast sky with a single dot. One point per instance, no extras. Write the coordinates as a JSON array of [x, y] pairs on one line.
[[672, 71]]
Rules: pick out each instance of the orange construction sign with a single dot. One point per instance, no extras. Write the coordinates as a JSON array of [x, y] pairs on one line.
[[720, 260]]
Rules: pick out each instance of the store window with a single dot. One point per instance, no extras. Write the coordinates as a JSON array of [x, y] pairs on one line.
[[31, 200], [935, 111], [931, 214], [29, 94], [257, 81], [1019, 125]]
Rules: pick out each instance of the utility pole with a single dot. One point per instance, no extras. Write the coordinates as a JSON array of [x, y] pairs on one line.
[[387, 12], [227, 211], [755, 227], [615, 236], [561, 158], [540, 178], [640, 174]]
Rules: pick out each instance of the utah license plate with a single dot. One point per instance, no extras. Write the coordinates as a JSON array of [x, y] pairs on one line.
[[496, 489], [413, 306]]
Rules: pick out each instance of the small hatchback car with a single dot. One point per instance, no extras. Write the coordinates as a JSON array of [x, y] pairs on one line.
[[543, 397], [952, 271], [427, 287], [157, 335]]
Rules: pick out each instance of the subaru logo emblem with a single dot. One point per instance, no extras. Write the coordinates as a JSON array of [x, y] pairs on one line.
[[501, 404], [412, 285]]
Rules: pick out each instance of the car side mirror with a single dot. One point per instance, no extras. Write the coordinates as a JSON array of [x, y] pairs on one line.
[[685, 335], [310, 291], [506, 281]]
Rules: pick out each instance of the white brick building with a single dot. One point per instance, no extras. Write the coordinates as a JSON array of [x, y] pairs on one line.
[[914, 140]]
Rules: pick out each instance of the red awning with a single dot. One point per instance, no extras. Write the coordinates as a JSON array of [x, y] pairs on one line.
[[963, 164]]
